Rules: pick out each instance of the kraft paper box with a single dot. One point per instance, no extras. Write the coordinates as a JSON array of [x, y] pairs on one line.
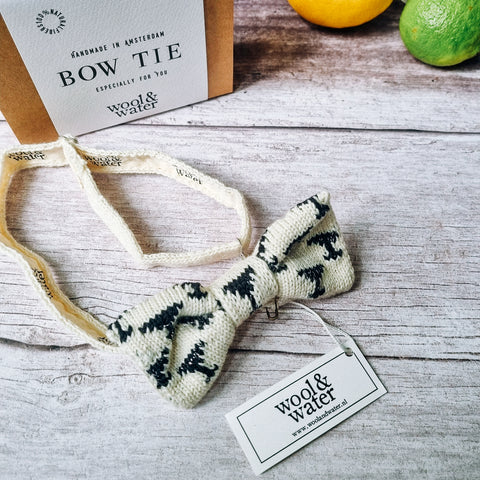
[[71, 67]]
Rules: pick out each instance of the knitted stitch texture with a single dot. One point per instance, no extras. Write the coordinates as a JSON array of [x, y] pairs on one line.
[[180, 337]]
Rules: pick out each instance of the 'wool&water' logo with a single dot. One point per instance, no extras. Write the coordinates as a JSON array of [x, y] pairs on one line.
[[315, 395], [140, 103]]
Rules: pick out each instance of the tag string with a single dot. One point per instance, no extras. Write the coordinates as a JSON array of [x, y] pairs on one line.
[[328, 327]]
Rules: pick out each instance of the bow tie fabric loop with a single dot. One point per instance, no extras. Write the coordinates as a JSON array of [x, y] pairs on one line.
[[307, 252], [180, 337], [286, 233]]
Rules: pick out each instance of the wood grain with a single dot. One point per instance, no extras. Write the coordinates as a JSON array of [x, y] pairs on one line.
[[293, 74], [397, 143], [290, 73], [410, 225], [82, 415]]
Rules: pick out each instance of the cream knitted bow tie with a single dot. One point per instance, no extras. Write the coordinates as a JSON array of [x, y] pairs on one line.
[[181, 336]]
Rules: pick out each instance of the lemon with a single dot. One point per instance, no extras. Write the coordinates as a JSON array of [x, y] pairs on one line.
[[441, 32], [339, 13]]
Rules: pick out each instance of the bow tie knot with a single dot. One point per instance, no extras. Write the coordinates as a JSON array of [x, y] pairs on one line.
[[181, 336], [246, 287]]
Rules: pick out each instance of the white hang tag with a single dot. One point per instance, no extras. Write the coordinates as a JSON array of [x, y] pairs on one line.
[[290, 414]]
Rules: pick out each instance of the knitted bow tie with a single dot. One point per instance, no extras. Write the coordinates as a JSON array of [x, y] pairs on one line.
[[180, 336]]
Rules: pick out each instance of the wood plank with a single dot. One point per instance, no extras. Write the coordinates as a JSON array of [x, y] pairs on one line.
[[355, 78], [396, 143], [410, 221], [80, 413], [293, 74]]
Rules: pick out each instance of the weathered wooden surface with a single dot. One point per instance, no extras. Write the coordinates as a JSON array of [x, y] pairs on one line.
[[79, 414], [313, 108], [290, 73]]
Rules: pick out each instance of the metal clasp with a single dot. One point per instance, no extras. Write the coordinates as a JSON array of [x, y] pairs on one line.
[[273, 316]]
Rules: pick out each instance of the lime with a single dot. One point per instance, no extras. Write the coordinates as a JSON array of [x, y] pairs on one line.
[[339, 13], [441, 32]]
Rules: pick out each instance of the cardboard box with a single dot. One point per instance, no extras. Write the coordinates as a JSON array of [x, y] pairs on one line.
[[26, 113]]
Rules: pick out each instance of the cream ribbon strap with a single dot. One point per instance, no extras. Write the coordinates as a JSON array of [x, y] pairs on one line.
[[66, 152], [180, 336]]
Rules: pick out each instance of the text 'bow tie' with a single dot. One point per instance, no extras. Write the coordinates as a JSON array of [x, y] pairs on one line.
[[181, 336]]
